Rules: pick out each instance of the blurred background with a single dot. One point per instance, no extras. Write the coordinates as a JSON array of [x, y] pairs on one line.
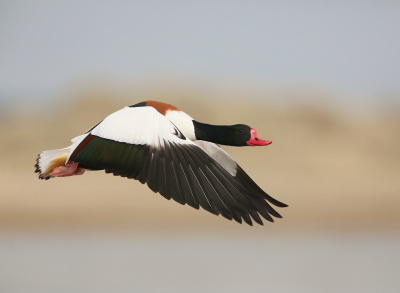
[[321, 80]]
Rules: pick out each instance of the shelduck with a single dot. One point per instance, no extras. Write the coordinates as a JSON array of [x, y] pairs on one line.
[[175, 155]]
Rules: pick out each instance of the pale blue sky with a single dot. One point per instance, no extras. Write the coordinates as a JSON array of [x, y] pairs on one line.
[[351, 45]]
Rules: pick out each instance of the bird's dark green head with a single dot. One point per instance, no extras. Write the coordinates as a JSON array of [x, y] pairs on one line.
[[237, 135], [233, 135]]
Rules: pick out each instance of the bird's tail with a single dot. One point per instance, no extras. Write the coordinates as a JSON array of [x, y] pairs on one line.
[[48, 160]]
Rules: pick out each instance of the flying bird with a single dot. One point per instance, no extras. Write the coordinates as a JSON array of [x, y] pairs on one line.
[[174, 154]]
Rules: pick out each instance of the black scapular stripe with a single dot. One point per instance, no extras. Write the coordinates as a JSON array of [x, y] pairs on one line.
[[141, 104]]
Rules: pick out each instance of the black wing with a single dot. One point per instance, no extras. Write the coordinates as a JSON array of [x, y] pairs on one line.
[[183, 172], [226, 161]]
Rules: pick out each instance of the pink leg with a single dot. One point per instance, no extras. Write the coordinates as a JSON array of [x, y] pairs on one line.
[[70, 169]]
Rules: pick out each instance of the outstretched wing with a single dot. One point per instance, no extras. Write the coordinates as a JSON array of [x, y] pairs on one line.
[[142, 144], [229, 164]]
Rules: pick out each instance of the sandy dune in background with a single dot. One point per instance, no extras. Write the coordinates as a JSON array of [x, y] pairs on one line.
[[336, 171]]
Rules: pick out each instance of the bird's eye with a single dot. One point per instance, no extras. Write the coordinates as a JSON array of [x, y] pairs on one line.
[[241, 130]]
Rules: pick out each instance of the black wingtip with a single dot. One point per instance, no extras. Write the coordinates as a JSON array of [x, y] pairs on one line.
[[269, 218], [276, 202], [250, 223], [247, 219]]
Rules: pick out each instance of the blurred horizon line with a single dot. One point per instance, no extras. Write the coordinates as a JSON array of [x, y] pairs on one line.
[[120, 87]]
